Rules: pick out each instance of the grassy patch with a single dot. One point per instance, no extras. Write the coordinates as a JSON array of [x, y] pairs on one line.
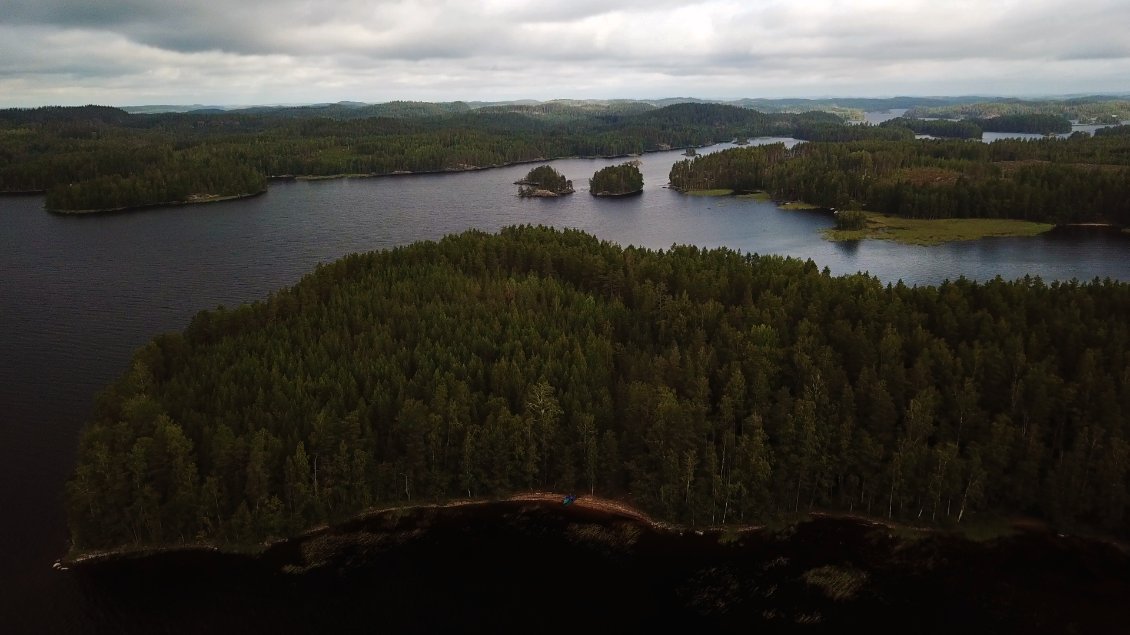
[[838, 583], [709, 192], [799, 205], [914, 231]]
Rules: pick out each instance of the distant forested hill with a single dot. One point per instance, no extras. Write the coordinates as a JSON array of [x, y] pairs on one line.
[[705, 385]]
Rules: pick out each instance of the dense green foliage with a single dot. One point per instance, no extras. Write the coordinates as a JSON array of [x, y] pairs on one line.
[[617, 180], [937, 127], [93, 157], [1032, 123], [706, 386], [1113, 131], [544, 178], [850, 220], [836, 132], [1080, 179], [177, 180]]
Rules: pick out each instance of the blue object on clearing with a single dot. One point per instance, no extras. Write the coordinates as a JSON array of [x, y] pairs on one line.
[[568, 499]]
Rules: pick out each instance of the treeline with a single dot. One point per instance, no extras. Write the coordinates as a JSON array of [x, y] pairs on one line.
[[1081, 179], [706, 386], [1113, 131], [617, 180], [163, 184], [1035, 123], [973, 128], [101, 154], [937, 127], [825, 131]]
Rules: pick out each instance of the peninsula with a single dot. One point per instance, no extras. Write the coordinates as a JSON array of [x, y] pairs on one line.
[[571, 363]]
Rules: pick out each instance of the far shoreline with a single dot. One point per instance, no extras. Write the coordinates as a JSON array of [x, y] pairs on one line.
[[334, 177], [202, 200]]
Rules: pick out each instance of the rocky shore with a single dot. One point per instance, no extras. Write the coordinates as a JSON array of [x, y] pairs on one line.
[[530, 562]]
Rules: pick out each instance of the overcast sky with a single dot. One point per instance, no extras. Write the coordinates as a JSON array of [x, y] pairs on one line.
[[131, 52]]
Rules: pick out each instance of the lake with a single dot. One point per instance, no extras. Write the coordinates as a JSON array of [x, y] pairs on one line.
[[79, 294]]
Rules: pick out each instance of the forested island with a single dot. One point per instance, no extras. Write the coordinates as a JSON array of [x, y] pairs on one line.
[[617, 180], [708, 387], [544, 181], [1077, 180]]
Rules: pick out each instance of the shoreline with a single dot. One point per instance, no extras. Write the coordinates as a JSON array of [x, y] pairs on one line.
[[608, 509], [509, 564], [203, 200], [22, 192], [616, 194]]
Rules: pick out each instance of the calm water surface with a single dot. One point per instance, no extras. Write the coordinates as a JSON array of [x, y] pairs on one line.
[[79, 294]]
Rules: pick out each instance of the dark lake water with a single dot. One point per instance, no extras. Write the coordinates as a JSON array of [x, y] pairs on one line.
[[79, 294]]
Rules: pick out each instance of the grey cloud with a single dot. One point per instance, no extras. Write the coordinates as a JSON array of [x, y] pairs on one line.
[[449, 49], [95, 14]]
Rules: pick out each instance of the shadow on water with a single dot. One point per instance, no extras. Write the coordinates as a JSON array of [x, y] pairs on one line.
[[1088, 232], [848, 247]]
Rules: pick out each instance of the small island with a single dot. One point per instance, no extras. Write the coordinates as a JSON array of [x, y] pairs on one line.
[[544, 182], [617, 180]]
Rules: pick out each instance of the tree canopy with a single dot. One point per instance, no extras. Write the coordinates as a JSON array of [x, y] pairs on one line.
[[544, 180], [617, 180], [707, 386], [1080, 179]]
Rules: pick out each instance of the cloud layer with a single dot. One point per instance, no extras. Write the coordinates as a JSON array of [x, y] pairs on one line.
[[290, 51]]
